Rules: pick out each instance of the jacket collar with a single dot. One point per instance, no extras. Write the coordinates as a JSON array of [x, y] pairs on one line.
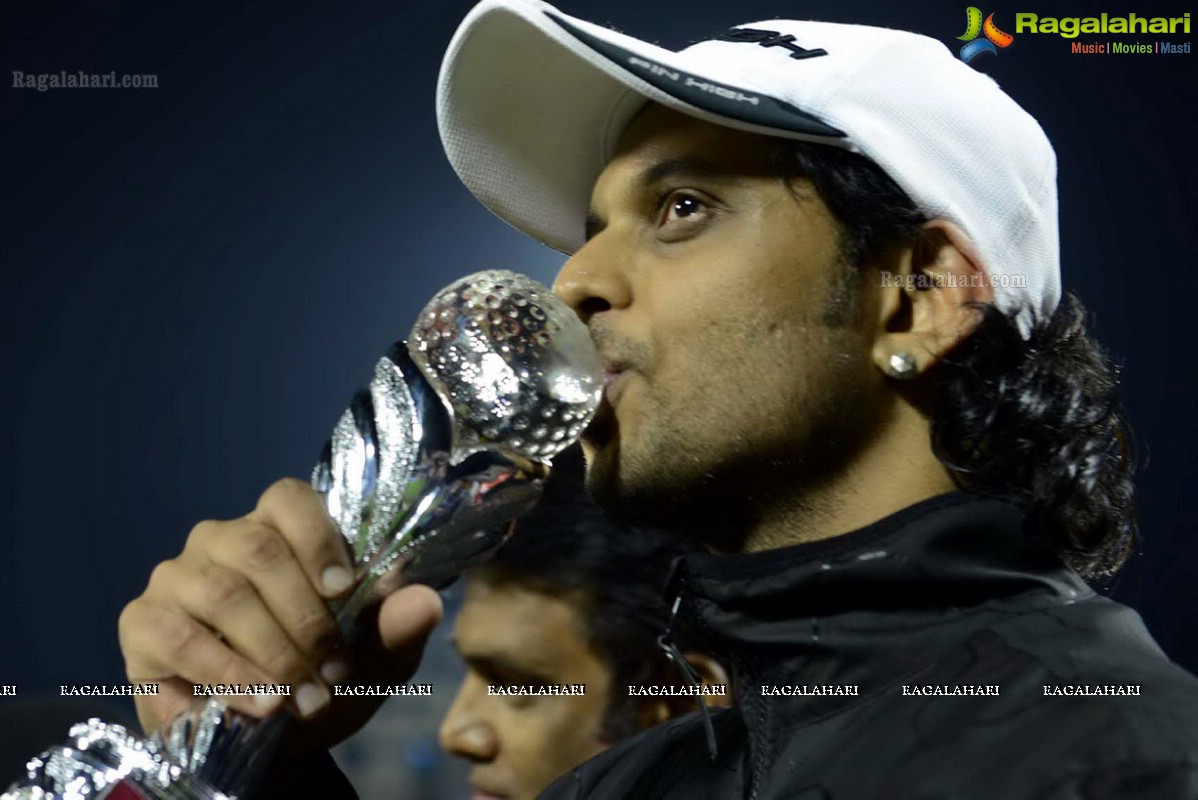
[[871, 605]]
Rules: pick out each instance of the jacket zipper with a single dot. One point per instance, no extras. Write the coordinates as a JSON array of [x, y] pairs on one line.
[[757, 707], [677, 586]]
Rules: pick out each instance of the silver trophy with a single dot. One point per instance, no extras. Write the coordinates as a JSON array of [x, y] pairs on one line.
[[422, 476]]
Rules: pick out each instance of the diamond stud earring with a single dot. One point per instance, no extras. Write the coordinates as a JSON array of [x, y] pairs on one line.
[[901, 366]]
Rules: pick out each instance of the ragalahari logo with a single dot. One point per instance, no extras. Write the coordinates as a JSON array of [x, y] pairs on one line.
[[973, 27]]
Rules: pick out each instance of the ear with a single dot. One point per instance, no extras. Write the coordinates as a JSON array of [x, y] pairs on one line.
[[654, 710], [712, 673], [924, 306]]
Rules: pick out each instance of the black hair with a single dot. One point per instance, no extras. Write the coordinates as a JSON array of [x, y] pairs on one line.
[[567, 548], [1036, 418]]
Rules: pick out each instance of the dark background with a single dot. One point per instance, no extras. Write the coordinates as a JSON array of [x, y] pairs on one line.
[[195, 277]]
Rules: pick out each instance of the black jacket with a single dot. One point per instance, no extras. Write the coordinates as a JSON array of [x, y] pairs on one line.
[[948, 593]]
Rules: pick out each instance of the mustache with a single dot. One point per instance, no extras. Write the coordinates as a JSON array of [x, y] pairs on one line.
[[617, 349]]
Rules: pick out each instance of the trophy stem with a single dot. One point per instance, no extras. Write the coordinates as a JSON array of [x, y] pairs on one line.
[[380, 574], [223, 748]]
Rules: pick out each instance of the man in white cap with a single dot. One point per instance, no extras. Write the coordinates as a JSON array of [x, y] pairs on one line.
[[820, 262]]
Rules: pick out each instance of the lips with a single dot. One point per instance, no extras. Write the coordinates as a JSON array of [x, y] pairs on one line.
[[615, 376], [477, 793], [603, 427]]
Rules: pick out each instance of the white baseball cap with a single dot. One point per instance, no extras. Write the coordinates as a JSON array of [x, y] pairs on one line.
[[531, 103]]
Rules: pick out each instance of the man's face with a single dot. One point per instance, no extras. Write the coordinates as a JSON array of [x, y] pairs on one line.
[[708, 284], [510, 635]]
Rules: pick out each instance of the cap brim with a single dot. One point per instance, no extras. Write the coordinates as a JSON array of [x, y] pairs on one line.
[[530, 103]]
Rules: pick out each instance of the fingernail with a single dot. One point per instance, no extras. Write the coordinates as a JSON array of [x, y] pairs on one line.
[[334, 671], [266, 702], [310, 698], [336, 579]]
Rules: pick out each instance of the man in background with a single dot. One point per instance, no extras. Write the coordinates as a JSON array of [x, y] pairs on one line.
[[570, 599]]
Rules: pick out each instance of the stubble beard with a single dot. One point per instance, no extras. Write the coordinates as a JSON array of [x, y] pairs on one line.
[[684, 474]]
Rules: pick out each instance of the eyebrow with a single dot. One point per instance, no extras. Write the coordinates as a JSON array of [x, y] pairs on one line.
[[499, 664], [656, 173]]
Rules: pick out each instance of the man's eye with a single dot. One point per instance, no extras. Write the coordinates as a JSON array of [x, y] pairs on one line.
[[680, 205]]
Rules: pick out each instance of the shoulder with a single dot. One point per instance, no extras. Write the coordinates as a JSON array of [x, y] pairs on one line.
[[1127, 780], [1100, 641], [1087, 677], [669, 760]]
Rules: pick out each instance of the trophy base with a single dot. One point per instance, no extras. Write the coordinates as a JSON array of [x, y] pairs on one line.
[[107, 762], [124, 790]]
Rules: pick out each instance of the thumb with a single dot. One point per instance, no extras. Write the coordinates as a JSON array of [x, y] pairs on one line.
[[407, 617]]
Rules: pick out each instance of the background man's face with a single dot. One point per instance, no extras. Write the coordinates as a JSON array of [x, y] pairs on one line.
[[507, 635], [707, 284]]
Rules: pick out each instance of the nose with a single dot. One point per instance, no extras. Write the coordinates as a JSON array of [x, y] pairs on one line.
[[464, 731], [594, 280]]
